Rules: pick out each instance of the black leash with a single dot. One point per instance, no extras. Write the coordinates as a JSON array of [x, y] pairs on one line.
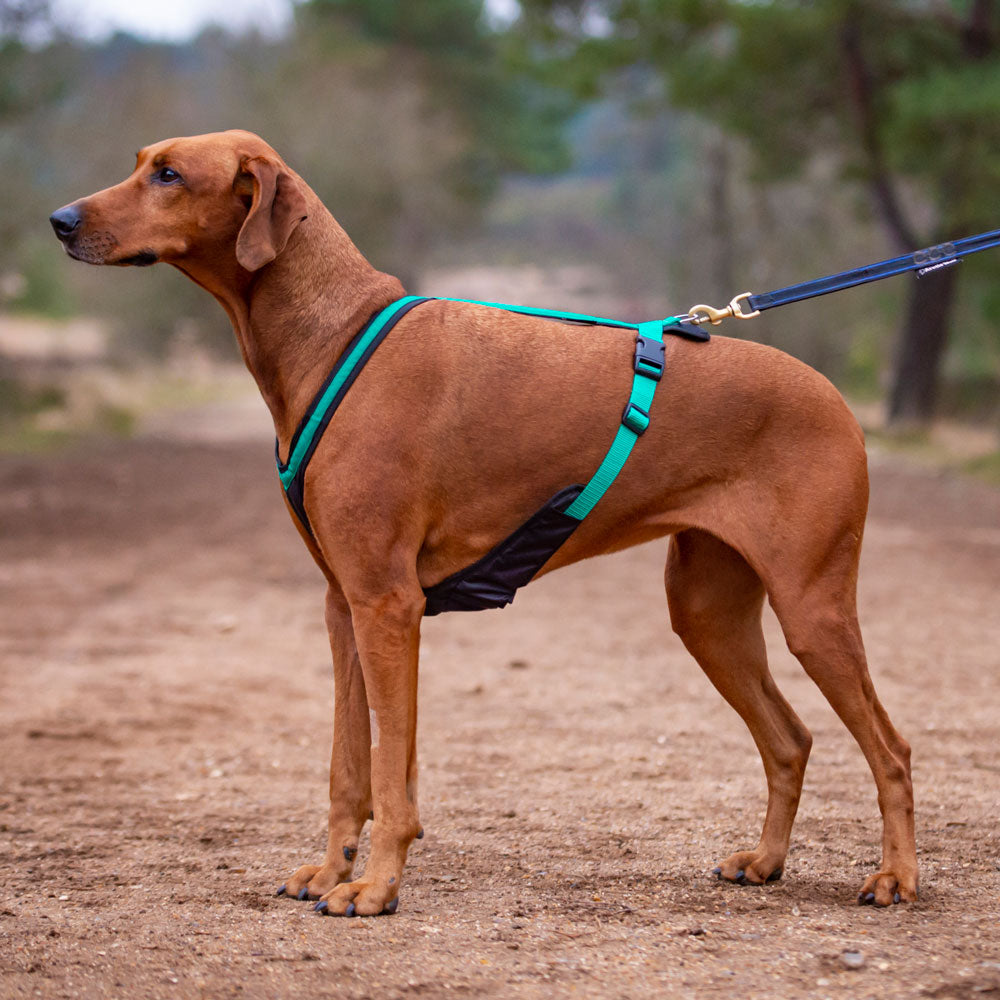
[[748, 305]]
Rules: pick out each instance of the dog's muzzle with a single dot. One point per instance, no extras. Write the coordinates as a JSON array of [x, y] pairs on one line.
[[92, 246]]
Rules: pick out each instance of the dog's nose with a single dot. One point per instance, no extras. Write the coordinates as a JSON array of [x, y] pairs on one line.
[[66, 221]]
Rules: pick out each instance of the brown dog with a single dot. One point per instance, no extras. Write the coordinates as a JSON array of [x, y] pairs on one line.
[[463, 423]]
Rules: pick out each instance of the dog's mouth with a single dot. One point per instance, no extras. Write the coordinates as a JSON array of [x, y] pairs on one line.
[[91, 248], [99, 247], [141, 259]]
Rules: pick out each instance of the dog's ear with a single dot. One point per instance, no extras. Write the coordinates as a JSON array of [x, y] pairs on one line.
[[278, 206]]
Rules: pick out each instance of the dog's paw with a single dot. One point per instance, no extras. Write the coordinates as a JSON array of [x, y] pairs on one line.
[[313, 881], [750, 868], [362, 898], [885, 888]]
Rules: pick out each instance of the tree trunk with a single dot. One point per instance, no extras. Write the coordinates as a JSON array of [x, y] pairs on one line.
[[921, 344]]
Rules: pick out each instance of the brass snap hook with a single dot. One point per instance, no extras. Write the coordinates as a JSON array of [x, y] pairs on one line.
[[702, 313]]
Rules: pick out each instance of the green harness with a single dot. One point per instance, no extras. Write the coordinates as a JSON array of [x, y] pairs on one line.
[[491, 581]]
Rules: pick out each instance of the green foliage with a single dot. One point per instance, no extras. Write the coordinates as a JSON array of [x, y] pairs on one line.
[[442, 108], [116, 421], [885, 85], [721, 61], [23, 408], [18, 400], [22, 86], [986, 467], [943, 128], [32, 80], [451, 29]]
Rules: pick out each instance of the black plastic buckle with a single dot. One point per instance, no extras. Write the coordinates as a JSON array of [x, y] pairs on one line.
[[649, 358]]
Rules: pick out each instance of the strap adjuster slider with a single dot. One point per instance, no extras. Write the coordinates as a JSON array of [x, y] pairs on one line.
[[635, 418]]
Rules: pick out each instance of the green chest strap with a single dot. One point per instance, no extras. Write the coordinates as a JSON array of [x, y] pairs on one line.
[[648, 364]]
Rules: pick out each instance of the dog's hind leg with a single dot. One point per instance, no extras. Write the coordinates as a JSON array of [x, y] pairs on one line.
[[715, 601], [350, 763], [819, 619]]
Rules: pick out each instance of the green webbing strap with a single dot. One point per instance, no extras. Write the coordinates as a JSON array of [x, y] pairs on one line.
[[635, 420], [307, 431]]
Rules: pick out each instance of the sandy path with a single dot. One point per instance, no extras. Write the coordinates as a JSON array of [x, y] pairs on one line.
[[165, 703]]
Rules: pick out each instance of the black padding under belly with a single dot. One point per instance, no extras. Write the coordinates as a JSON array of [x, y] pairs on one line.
[[492, 581]]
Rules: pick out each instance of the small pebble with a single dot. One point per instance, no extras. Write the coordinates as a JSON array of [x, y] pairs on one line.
[[852, 959]]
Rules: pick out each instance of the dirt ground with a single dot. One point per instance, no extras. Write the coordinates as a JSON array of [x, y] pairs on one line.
[[165, 712]]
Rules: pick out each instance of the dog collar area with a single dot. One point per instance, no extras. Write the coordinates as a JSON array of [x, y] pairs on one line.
[[492, 581]]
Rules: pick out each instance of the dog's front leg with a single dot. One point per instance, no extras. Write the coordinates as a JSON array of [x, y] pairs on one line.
[[350, 770], [387, 632]]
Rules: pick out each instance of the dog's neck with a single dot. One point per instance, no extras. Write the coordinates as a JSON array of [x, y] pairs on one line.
[[295, 316]]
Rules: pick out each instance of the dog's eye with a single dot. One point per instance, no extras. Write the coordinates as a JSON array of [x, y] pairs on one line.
[[166, 175]]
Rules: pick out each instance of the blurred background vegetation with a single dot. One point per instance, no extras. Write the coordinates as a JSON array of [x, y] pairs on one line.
[[631, 155]]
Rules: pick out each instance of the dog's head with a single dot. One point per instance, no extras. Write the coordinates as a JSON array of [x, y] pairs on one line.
[[188, 199]]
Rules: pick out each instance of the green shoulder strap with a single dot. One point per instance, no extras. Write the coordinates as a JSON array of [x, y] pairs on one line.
[[635, 419]]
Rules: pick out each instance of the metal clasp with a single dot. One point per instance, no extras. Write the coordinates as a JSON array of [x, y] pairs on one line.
[[702, 313]]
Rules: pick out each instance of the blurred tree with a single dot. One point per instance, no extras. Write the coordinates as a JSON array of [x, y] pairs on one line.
[[906, 94], [404, 116], [28, 84]]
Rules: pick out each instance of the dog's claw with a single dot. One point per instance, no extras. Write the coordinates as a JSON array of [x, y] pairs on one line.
[[866, 898], [740, 878], [303, 893], [349, 853], [322, 906], [350, 911], [281, 890], [775, 876], [717, 872], [392, 906], [896, 898]]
